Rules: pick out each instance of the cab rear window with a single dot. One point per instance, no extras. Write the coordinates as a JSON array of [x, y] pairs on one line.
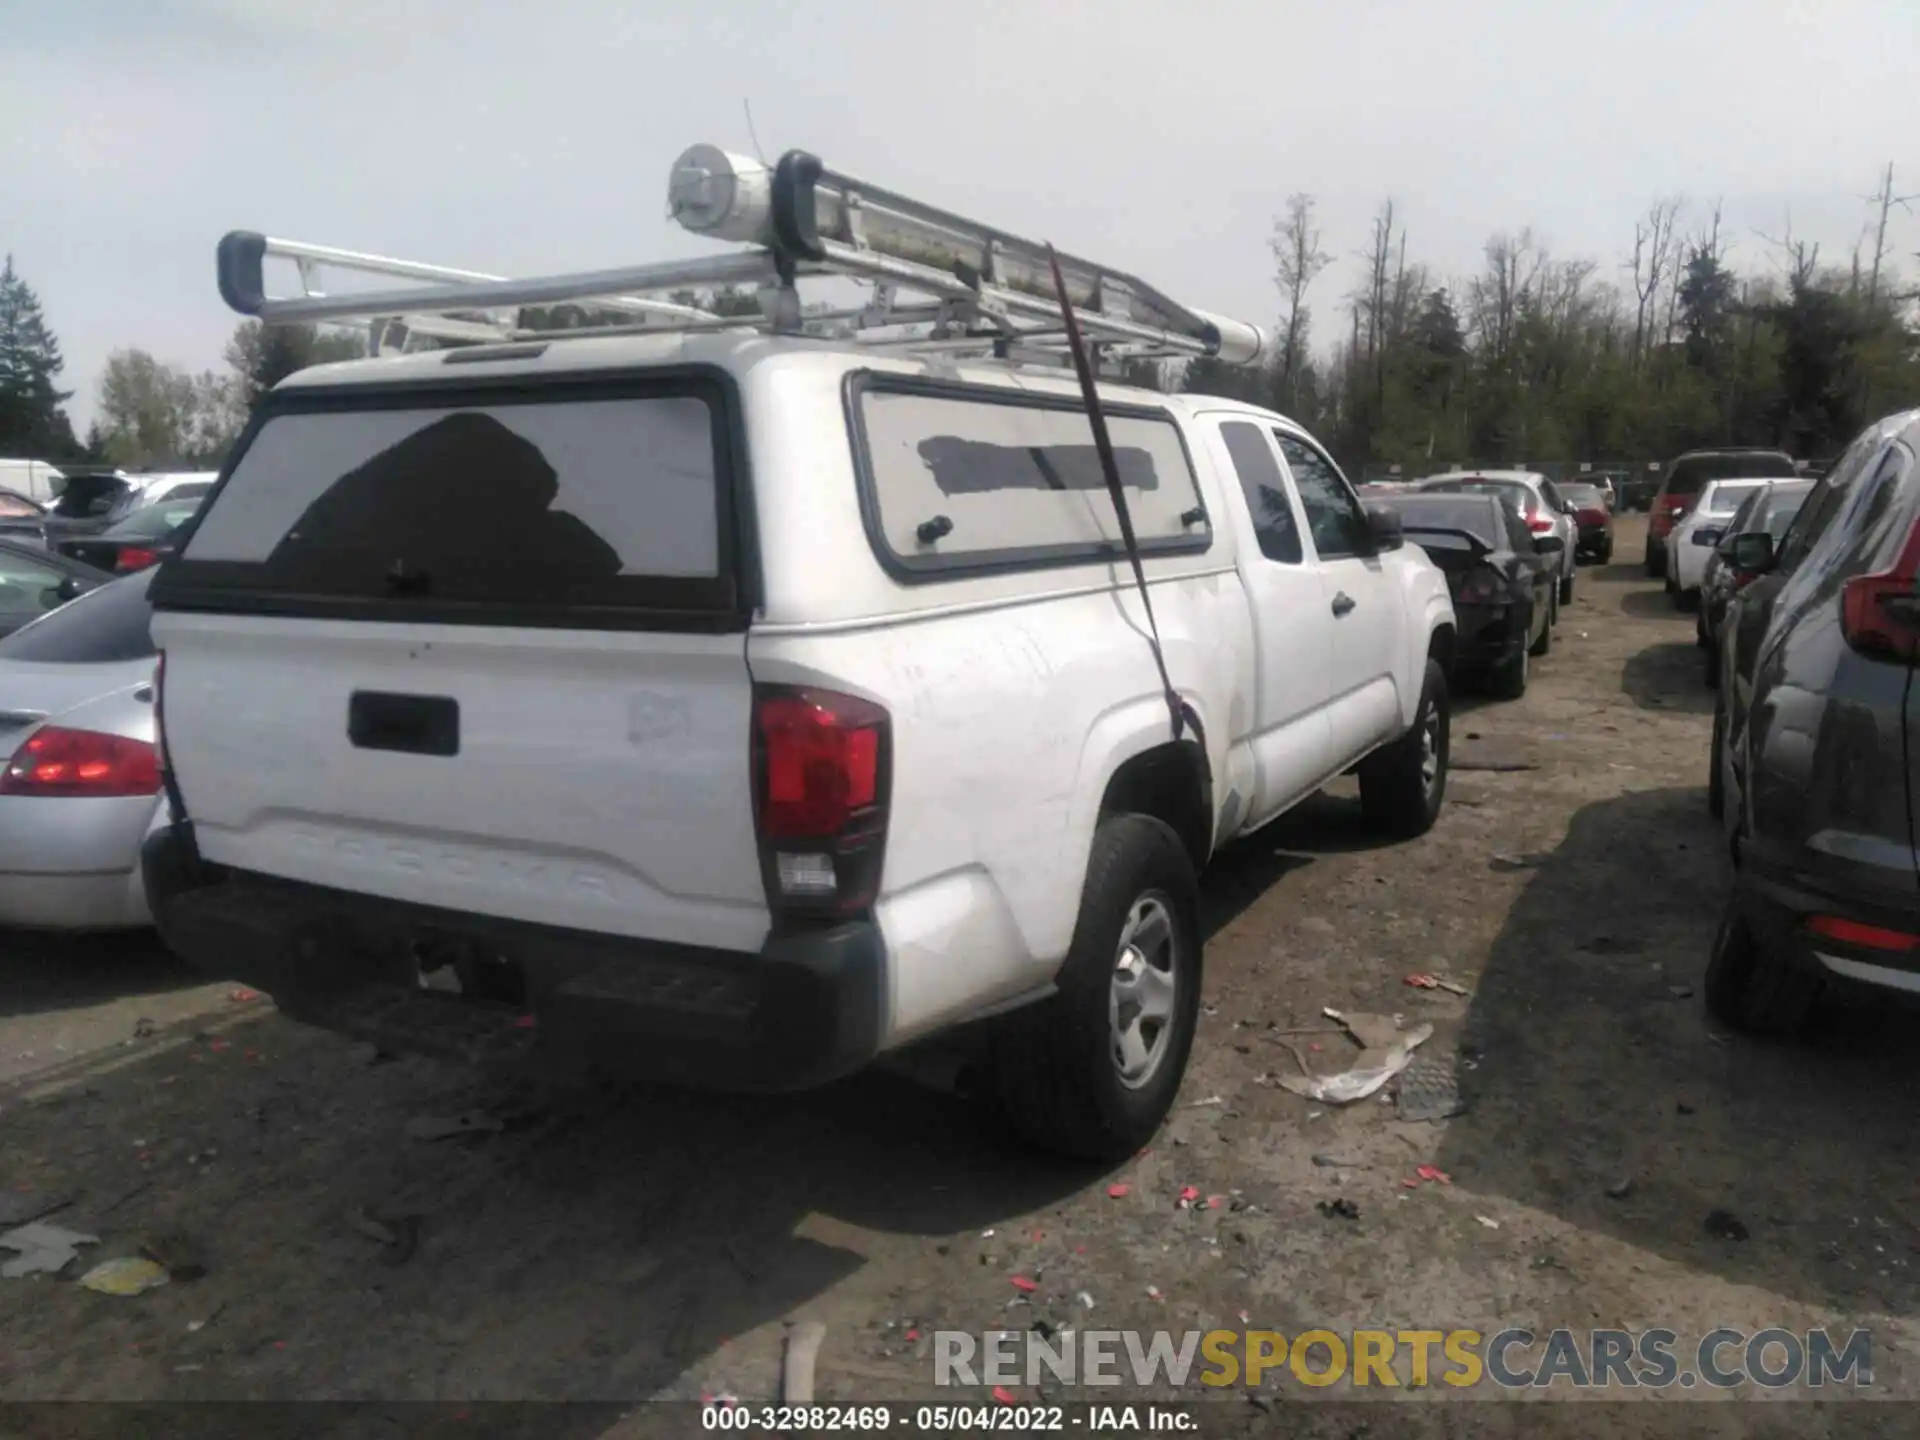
[[525, 501]]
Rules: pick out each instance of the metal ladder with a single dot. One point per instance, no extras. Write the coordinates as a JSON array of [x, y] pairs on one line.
[[937, 281]]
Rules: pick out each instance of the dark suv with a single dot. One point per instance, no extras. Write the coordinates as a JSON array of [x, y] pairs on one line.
[[1814, 723], [1686, 477]]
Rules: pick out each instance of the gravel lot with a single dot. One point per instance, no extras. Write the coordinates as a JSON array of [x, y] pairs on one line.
[[616, 1245]]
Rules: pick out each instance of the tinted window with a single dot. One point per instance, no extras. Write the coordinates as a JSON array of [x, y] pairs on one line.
[[1520, 497], [1725, 499], [1013, 481], [1823, 501], [110, 623], [90, 495], [156, 520], [192, 490], [1551, 495], [25, 582], [1690, 472], [1479, 518], [1334, 515], [1266, 491], [1583, 495], [1519, 536], [538, 502], [1778, 513]]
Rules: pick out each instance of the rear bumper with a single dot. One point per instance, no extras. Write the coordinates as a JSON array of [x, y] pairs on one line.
[[1594, 540], [1777, 902], [1486, 636], [807, 1009], [112, 900]]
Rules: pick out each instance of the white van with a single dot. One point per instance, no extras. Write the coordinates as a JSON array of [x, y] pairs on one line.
[[35, 479]]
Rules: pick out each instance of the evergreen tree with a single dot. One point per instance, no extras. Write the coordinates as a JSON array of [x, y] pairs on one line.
[[32, 423]]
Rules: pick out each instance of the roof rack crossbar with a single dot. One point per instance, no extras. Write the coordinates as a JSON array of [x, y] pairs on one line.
[[968, 285]]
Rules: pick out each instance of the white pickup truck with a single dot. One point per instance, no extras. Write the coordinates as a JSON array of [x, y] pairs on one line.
[[734, 709]]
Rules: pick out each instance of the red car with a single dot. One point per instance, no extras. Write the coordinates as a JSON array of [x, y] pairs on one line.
[[1688, 475]]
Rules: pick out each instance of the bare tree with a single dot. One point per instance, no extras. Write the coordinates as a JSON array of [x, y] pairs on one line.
[[1297, 252], [1886, 200], [1372, 303], [1654, 260], [1495, 296]]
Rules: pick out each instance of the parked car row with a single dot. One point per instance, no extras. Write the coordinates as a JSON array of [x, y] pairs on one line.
[[1809, 618]]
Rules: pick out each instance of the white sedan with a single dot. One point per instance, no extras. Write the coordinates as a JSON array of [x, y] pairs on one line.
[[1691, 542]]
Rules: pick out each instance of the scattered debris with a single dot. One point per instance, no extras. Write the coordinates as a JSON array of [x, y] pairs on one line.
[[143, 1028], [194, 1327], [1210, 1100], [1499, 862], [1005, 1396], [796, 1366], [131, 1275], [1620, 1188], [1362, 1080], [1369, 1032], [1724, 1225], [1496, 767], [1681, 1107], [401, 1236], [1023, 1284], [1340, 1209], [1188, 1194], [178, 1254], [44, 1249], [435, 1127], [1488, 1221], [17, 1207], [1153, 1293], [1680, 992], [1429, 1089], [1336, 1162], [242, 996], [1434, 1173], [1120, 1191], [1085, 1299]]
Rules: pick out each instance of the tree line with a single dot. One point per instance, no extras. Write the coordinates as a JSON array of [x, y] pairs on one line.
[[1534, 356], [1537, 356]]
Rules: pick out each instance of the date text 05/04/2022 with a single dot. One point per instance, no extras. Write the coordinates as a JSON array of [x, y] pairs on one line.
[[999, 1418]]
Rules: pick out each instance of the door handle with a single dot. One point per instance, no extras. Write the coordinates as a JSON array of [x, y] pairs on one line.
[[1342, 603]]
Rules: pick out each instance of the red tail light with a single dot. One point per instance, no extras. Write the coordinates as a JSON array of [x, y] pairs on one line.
[[134, 557], [822, 766], [1539, 524], [1880, 613], [1481, 584], [1592, 517], [57, 761]]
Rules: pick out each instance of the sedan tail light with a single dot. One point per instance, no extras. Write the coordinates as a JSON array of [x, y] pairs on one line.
[[1480, 585], [58, 761], [134, 557], [1593, 517], [822, 764], [1539, 524]]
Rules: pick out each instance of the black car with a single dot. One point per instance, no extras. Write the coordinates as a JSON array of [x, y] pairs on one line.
[[92, 499], [1770, 508], [144, 538], [1816, 743], [33, 580], [1502, 577]]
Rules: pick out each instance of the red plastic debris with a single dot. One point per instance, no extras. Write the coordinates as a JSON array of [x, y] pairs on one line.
[[1411, 1183], [1038, 1236], [1423, 982], [241, 997], [1434, 1172], [1214, 1202], [218, 1045], [1115, 1192], [1079, 1249], [1023, 1284], [913, 1333], [524, 1022], [279, 1344], [1189, 1194], [1004, 1395]]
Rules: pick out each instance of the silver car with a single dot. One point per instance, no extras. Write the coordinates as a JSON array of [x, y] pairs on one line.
[[1540, 503], [81, 786]]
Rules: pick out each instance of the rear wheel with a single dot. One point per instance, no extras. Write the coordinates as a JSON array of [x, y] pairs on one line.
[[1710, 665], [1566, 588], [1545, 642], [1716, 765], [1509, 681], [1687, 599], [1092, 1070], [1403, 785], [1606, 553], [1751, 989], [1656, 560]]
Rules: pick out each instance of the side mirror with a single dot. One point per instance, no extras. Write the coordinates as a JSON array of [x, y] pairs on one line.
[[1751, 553], [1383, 529], [1548, 544], [71, 588]]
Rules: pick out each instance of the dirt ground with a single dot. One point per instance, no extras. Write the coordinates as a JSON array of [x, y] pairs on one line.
[[614, 1246]]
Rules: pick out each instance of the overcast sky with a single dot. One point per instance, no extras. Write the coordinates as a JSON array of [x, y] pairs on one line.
[[526, 136]]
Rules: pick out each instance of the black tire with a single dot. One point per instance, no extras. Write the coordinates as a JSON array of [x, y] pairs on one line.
[[1396, 794], [1606, 553], [1751, 989], [1710, 665], [1509, 681], [1672, 588], [1566, 589], [1687, 600], [1700, 627], [1054, 1066], [1716, 765], [1545, 642], [1656, 561]]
